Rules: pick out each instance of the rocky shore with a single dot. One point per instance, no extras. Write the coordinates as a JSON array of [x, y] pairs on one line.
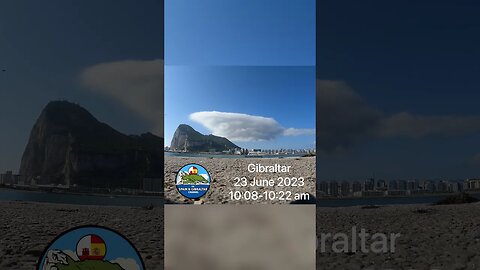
[[224, 170]]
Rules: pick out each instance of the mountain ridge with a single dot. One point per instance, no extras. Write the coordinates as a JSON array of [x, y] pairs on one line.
[[187, 137], [68, 145]]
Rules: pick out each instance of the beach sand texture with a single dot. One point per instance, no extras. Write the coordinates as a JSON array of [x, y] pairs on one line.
[[224, 170], [26, 228], [432, 237]]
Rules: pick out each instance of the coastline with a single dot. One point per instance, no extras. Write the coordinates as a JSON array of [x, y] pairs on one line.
[[80, 199], [396, 196], [57, 190], [80, 193]]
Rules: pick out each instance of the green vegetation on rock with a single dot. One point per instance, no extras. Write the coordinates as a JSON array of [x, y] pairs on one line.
[[89, 265], [193, 179]]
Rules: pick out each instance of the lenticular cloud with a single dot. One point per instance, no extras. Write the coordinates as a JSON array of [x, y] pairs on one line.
[[244, 127]]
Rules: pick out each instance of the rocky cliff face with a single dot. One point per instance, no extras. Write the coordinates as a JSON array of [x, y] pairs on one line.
[[187, 137], [68, 145]]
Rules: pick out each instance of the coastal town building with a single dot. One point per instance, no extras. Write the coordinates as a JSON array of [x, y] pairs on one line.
[[6, 178], [372, 188], [333, 188], [323, 188], [345, 188], [369, 184], [472, 184], [381, 185], [152, 184], [393, 185], [357, 186], [402, 185]]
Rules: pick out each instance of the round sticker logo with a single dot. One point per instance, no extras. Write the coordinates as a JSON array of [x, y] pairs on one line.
[[90, 247], [193, 181]]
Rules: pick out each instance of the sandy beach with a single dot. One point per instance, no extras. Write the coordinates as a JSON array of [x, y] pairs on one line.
[[26, 228], [224, 170], [442, 237], [432, 237]]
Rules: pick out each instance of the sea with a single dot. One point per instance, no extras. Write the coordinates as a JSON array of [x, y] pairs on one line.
[[141, 201], [345, 202], [79, 199]]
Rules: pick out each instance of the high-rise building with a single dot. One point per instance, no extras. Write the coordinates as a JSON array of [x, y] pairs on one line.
[[402, 185], [430, 186], [323, 188], [369, 184], [334, 188], [381, 185], [455, 186], [393, 185], [6, 178], [411, 185], [345, 188], [472, 184], [356, 186]]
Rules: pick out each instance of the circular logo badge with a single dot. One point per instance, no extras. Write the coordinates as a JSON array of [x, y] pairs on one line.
[[90, 247], [192, 181]]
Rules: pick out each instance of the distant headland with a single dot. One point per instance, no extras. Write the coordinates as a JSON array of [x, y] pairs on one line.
[[69, 148]]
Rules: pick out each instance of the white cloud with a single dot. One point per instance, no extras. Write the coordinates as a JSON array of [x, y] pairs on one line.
[[344, 119], [417, 126], [244, 127], [298, 131], [127, 264], [138, 85]]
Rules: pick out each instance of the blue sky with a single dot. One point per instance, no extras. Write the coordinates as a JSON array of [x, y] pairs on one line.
[[419, 57], [45, 46], [254, 58], [240, 32], [283, 93]]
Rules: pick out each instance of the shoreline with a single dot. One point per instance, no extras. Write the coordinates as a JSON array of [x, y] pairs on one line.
[[89, 200], [81, 193], [393, 196]]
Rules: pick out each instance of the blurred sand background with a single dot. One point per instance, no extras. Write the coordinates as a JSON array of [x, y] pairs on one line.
[[240, 237]]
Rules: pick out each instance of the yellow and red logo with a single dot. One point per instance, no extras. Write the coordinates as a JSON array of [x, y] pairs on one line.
[[91, 247]]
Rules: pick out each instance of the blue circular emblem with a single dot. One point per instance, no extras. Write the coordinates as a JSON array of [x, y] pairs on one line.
[[192, 181], [88, 248]]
